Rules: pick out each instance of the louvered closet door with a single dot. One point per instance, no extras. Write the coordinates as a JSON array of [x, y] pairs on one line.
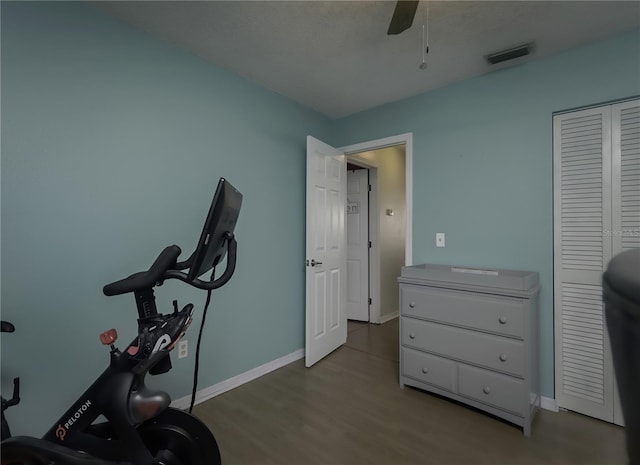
[[626, 176], [625, 172], [582, 215]]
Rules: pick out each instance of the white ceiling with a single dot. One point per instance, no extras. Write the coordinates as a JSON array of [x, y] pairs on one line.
[[335, 56]]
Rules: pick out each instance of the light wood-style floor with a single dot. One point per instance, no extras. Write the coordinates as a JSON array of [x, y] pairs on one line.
[[350, 409]]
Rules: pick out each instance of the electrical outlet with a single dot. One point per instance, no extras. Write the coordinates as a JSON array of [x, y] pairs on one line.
[[183, 349], [439, 239]]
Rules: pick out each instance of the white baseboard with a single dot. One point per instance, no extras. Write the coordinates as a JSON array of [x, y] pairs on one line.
[[548, 403], [239, 380], [389, 317]]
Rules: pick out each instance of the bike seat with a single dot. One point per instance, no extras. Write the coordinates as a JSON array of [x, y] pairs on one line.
[[146, 279], [24, 449]]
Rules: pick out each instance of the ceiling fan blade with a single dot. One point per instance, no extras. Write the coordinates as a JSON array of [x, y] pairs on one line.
[[403, 15]]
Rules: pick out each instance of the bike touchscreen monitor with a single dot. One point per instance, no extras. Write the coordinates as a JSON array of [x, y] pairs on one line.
[[222, 218]]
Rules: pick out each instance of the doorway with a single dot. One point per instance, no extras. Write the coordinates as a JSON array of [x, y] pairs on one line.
[[358, 242], [326, 321], [385, 250]]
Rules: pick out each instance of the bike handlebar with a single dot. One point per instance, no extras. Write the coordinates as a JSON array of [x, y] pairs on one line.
[[167, 267], [6, 327], [145, 279]]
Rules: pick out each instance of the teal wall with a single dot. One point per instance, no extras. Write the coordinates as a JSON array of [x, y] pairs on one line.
[[112, 144], [482, 160]]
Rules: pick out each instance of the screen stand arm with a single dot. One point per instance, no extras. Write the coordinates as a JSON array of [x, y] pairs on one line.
[[232, 249]]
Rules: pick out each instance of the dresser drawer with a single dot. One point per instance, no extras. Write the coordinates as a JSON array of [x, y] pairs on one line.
[[503, 315], [499, 353], [428, 368], [501, 391]]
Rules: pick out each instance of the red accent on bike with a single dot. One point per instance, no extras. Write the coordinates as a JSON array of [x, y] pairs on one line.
[[133, 350], [109, 337]]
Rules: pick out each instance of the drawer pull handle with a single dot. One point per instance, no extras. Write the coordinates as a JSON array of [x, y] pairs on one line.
[[503, 320], [412, 336], [486, 390], [412, 304], [503, 357], [425, 370]]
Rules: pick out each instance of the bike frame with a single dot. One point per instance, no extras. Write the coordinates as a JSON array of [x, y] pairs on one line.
[[119, 393], [134, 413], [121, 396]]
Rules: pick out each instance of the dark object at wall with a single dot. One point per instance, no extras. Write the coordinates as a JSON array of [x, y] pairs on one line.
[[621, 293]]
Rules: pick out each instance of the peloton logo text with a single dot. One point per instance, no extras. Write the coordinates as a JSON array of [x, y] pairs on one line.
[[61, 431]]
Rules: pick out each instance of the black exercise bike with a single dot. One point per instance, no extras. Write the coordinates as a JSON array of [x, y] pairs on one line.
[[141, 428]]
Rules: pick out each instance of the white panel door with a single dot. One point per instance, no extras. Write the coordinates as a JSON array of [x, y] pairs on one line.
[[326, 254], [582, 215], [358, 245]]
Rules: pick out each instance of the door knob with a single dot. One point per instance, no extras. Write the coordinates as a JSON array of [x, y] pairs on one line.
[[314, 262]]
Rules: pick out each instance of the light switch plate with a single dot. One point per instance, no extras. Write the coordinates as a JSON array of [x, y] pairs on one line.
[[439, 239]]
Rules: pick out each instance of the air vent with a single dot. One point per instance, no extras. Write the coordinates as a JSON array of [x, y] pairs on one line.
[[509, 54]]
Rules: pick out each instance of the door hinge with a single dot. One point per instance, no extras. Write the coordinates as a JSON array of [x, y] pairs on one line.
[[369, 300], [369, 187], [369, 244]]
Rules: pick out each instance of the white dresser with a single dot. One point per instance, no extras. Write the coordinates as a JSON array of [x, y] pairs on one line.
[[472, 335]]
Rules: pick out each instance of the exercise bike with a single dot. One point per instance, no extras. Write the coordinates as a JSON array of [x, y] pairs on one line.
[[141, 428]]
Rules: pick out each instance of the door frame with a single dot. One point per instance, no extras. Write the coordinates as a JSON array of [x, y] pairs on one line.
[[351, 151]]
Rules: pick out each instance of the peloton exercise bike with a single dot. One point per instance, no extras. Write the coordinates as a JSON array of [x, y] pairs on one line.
[[141, 428]]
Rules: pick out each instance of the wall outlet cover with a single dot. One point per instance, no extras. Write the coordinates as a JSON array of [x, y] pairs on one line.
[[183, 349]]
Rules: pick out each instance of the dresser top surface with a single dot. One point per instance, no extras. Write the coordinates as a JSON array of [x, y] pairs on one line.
[[516, 280]]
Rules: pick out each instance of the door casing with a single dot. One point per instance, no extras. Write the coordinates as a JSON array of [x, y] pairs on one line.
[[374, 229]]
